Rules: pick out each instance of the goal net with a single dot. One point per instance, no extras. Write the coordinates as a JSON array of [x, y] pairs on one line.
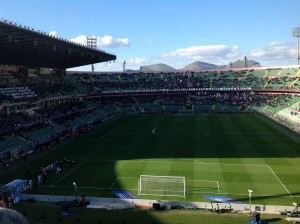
[[186, 112], [161, 185]]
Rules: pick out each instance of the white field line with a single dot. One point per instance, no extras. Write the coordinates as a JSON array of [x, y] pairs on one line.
[[111, 186], [113, 183], [195, 161], [98, 139], [121, 178], [106, 134], [186, 130], [230, 164], [95, 188], [280, 181], [69, 173], [211, 181], [198, 192], [198, 161], [214, 181]]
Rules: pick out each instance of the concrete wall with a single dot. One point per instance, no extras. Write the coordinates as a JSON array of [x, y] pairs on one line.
[[127, 203]]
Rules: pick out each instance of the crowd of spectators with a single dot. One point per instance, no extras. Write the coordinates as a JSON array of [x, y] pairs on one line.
[[62, 111], [45, 89], [245, 99], [57, 110], [236, 98], [187, 80], [48, 85], [5, 99], [16, 122]]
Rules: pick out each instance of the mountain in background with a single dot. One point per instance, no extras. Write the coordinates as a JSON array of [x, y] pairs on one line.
[[157, 68], [241, 64], [197, 65], [200, 65]]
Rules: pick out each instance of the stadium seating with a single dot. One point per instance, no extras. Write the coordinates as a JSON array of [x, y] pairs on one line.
[[257, 79], [64, 101]]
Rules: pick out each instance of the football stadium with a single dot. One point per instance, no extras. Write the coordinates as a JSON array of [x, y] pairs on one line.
[[201, 146]]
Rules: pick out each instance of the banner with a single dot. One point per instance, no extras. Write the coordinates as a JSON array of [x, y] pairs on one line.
[[222, 199], [124, 194], [166, 90]]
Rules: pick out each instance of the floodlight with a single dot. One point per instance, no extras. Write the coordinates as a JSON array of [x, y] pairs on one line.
[[92, 43], [296, 33]]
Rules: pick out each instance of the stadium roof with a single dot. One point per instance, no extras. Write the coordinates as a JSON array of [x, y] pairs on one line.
[[24, 46]]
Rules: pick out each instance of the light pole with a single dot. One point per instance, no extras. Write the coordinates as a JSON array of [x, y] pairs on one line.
[[75, 188], [91, 42], [250, 192], [296, 33]]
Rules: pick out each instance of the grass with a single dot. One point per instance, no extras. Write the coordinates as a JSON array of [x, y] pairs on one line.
[[218, 154]]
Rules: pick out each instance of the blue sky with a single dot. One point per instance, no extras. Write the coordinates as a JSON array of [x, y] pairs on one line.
[[167, 31]]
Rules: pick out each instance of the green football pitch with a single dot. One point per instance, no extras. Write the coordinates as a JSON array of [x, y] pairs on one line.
[[217, 154]]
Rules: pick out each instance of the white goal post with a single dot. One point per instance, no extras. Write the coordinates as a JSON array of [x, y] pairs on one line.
[[162, 185]]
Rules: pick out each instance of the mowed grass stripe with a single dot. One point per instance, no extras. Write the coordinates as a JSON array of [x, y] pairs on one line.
[[278, 141], [260, 144], [179, 148], [279, 138], [226, 148], [208, 171], [247, 146]]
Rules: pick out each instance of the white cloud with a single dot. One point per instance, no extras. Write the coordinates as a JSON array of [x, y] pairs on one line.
[[53, 33], [216, 54], [81, 39], [275, 50], [204, 51], [277, 53], [100, 67], [137, 61], [109, 41], [117, 66], [149, 42], [105, 41]]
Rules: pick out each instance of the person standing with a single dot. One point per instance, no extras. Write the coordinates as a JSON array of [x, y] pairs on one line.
[[30, 184]]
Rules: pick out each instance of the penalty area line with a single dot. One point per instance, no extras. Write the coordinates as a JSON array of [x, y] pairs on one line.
[[98, 139], [68, 173], [107, 134], [280, 181], [111, 186], [114, 183]]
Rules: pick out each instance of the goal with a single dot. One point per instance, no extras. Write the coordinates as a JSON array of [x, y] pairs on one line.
[[161, 185], [186, 112]]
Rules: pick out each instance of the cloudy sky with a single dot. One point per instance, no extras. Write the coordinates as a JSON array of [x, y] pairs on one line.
[[176, 33]]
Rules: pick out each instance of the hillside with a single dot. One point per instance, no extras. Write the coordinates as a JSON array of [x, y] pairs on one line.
[[197, 65], [200, 65], [157, 68], [241, 64]]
